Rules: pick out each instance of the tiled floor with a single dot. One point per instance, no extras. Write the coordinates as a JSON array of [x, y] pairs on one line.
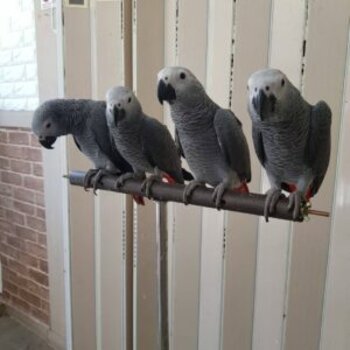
[[14, 336]]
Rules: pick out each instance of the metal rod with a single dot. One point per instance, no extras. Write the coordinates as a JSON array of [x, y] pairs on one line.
[[251, 203]]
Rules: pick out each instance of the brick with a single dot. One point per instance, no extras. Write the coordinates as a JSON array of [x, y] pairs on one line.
[[34, 183], [40, 213], [6, 226], [34, 141], [4, 163], [3, 134], [42, 239], [39, 199], [26, 233], [39, 277], [14, 242], [30, 298], [6, 202], [20, 166], [36, 250], [19, 138], [25, 89], [14, 217], [13, 73], [32, 154], [43, 265], [17, 267], [36, 224], [24, 207], [11, 178], [11, 151], [38, 169], [5, 190], [28, 260], [41, 315], [37, 289], [45, 306], [8, 250], [24, 195], [3, 260], [10, 287], [21, 304]]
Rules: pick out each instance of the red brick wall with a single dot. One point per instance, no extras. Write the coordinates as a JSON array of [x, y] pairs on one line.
[[23, 249]]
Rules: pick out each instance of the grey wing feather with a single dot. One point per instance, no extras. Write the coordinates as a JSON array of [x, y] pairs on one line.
[[233, 142], [178, 144], [259, 145], [319, 143], [159, 148]]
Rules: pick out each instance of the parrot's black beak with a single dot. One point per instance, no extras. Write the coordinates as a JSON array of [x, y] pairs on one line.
[[47, 141], [118, 114], [166, 92], [264, 104]]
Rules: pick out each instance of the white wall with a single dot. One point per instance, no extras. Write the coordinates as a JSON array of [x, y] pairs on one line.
[[18, 68]]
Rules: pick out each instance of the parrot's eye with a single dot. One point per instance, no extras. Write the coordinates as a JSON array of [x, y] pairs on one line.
[[119, 105], [48, 125], [182, 75], [282, 82], [129, 99], [267, 88]]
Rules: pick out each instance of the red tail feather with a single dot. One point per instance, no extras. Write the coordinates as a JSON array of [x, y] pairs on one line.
[[243, 188], [138, 199], [168, 179], [292, 188]]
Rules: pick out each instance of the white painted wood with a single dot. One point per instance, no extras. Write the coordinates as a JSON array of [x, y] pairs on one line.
[[285, 53], [110, 208], [50, 79], [185, 44], [336, 311], [241, 230], [77, 50], [212, 245], [326, 49], [148, 59]]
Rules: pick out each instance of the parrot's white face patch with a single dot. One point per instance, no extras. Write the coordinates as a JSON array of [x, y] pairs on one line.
[[123, 99]]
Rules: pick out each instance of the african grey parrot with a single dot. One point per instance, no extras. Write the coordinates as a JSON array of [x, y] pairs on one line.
[[210, 137], [292, 138], [143, 141], [85, 120]]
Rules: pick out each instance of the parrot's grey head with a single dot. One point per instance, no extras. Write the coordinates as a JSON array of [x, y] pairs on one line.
[[179, 84], [267, 88], [122, 104], [48, 123]]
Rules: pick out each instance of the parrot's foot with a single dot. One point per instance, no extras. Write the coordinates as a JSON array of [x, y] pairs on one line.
[[88, 176], [122, 178], [148, 183], [188, 191], [96, 179], [295, 202], [218, 193], [272, 197]]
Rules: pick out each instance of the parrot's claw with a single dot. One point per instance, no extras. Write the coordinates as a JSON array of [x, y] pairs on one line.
[[147, 184], [122, 178], [96, 179], [272, 197], [188, 191], [88, 176], [295, 202], [218, 194]]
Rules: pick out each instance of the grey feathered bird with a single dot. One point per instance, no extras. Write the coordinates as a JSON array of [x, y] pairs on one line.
[[210, 137], [292, 138], [143, 141], [85, 120]]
